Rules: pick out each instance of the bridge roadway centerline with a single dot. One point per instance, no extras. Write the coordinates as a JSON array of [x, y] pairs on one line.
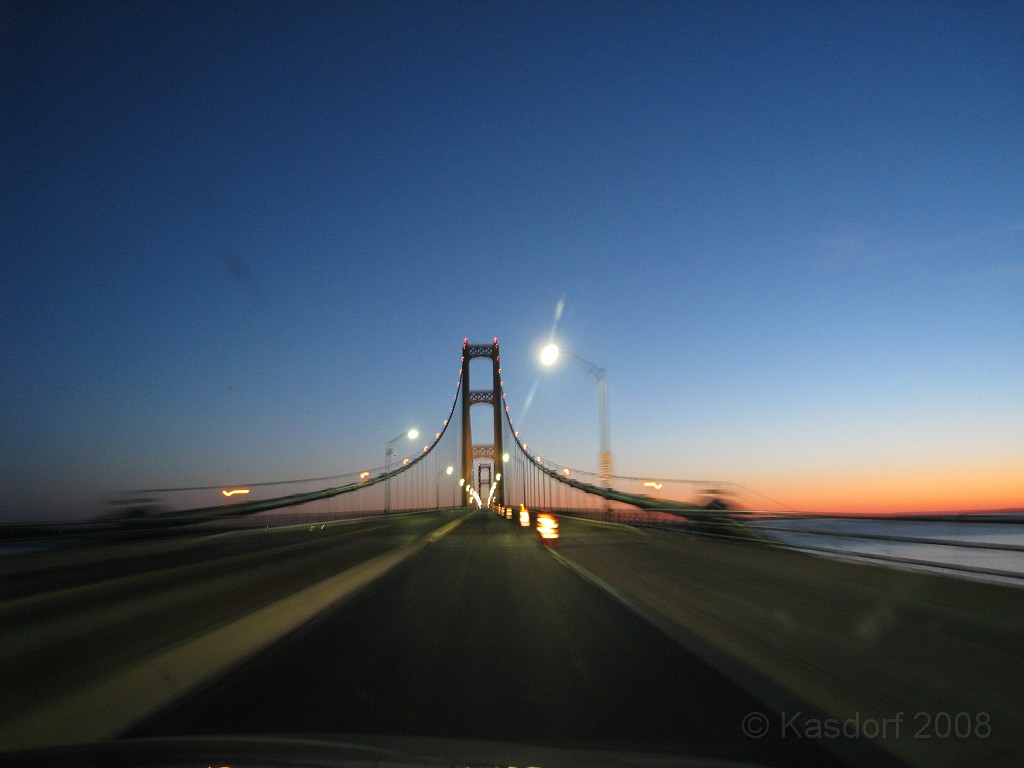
[[485, 636], [105, 589], [43, 575], [52, 644]]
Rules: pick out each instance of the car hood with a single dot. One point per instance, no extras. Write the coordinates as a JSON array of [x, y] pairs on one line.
[[344, 752]]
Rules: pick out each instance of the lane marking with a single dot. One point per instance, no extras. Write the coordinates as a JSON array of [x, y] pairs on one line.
[[107, 708], [139, 578]]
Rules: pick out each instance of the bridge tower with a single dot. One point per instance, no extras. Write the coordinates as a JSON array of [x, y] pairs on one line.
[[470, 397]]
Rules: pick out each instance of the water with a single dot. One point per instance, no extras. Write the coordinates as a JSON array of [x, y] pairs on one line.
[[989, 548]]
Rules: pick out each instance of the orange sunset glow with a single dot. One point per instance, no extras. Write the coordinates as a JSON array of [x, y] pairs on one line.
[[998, 486]]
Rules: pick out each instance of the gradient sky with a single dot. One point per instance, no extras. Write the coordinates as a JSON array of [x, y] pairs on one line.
[[244, 241]]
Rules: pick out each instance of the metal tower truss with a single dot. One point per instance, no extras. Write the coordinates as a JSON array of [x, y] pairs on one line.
[[471, 397]]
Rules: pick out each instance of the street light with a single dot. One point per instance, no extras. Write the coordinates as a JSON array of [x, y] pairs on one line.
[[412, 434], [548, 356], [437, 484]]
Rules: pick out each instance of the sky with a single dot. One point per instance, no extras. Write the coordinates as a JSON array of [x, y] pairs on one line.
[[244, 241]]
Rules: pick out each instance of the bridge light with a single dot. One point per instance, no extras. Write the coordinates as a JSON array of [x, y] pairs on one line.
[[404, 462], [235, 491], [363, 475], [549, 354], [504, 457], [566, 471], [462, 481], [413, 433], [449, 470], [652, 484]]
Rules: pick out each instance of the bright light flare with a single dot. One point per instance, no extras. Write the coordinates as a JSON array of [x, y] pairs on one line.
[[235, 491], [549, 354], [547, 527]]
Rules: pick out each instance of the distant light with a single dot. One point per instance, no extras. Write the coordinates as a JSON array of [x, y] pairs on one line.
[[497, 477], [413, 433], [363, 475], [549, 354], [405, 461], [235, 491], [462, 481], [566, 471], [449, 470], [504, 457], [652, 484]]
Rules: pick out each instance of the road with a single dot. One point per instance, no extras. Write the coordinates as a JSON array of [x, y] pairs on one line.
[[485, 635], [447, 625], [70, 619]]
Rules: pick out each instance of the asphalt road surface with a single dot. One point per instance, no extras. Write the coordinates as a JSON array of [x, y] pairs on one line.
[[70, 618], [484, 635]]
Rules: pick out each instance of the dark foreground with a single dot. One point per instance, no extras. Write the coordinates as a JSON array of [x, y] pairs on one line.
[[484, 635]]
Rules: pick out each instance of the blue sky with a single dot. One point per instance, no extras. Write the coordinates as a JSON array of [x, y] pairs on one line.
[[244, 241]]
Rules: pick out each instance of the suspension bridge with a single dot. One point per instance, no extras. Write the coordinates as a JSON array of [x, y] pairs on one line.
[[453, 468], [394, 608]]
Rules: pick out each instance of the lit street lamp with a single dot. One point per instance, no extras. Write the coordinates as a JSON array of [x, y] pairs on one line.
[[548, 356], [412, 434], [437, 485], [506, 458]]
